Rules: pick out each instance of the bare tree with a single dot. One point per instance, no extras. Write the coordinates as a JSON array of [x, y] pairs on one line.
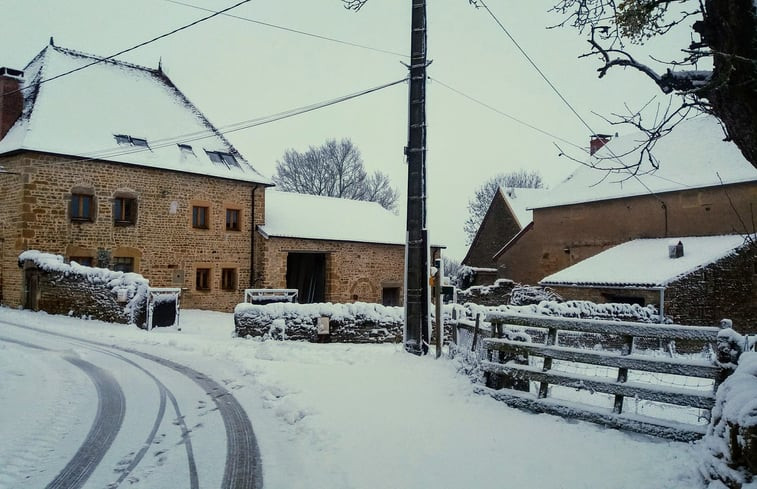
[[334, 169], [482, 198]]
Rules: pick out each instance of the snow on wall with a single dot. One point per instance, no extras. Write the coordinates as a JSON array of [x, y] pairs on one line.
[[134, 285]]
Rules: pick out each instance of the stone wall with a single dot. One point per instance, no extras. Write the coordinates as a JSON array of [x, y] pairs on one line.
[[725, 289], [487, 295], [562, 236], [163, 244], [347, 323], [83, 291]]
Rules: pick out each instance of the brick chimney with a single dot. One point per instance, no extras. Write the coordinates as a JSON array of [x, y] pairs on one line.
[[11, 98], [597, 141]]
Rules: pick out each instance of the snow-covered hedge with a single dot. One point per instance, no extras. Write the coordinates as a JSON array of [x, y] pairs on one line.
[[73, 289], [731, 440], [349, 323], [577, 309]]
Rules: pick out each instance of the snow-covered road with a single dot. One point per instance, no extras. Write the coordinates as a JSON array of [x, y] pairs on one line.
[[325, 415], [176, 415]]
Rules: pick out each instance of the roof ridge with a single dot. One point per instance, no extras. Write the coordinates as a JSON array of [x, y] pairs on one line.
[[324, 197], [101, 59]]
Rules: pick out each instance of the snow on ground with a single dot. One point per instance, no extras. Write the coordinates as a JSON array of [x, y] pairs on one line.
[[373, 416]]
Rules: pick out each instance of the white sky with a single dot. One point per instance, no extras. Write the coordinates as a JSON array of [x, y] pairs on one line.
[[235, 70]]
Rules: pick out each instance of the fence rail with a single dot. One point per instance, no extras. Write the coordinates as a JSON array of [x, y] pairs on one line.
[[507, 358]]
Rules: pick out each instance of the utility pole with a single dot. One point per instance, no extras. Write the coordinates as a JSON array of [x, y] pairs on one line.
[[417, 323]]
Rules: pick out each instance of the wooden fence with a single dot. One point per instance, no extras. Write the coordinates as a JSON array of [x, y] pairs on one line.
[[504, 355]]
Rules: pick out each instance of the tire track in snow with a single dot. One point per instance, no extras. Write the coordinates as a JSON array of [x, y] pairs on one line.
[[111, 407], [243, 469]]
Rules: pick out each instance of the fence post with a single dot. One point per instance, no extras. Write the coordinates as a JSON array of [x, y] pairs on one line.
[[551, 340], [622, 373]]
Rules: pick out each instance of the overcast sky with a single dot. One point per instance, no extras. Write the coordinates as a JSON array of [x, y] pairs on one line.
[[236, 70]]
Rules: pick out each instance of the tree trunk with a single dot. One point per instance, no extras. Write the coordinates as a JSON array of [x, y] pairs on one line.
[[730, 29]]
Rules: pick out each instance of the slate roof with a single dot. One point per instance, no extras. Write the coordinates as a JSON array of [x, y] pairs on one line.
[[646, 262], [81, 114], [293, 215], [693, 155]]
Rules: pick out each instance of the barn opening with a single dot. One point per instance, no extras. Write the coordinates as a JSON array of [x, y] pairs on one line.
[[306, 272]]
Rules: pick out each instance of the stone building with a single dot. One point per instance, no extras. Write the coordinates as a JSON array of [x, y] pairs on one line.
[[703, 187], [697, 280], [508, 214], [114, 167]]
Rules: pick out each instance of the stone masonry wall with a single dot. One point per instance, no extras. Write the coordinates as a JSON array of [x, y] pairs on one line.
[[354, 271], [165, 247], [725, 289]]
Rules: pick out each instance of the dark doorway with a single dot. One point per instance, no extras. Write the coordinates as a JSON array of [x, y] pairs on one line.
[[390, 296], [306, 272], [31, 289], [164, 312]]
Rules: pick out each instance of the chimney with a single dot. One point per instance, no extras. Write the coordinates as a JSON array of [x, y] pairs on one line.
[[11, 98], [675, 249], [597, 141]]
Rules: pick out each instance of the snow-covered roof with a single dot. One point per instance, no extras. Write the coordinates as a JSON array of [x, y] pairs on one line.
[[646, 262], [82, 114], [522, 200], [693, 155], [292, 215]]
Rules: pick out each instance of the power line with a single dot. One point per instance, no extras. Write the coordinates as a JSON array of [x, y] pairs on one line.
[[100, 60], [505, 114], [296, 31], [238, 126], [534, 65]]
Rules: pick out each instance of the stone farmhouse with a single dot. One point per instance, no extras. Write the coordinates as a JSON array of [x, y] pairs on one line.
[[703, 187], [112, 166], [508, 214], [697, 280]]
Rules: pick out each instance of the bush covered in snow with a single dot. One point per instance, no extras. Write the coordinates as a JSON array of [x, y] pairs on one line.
[[73, 289], [731, 440], [359, 322], [523, 295], [578, 310]]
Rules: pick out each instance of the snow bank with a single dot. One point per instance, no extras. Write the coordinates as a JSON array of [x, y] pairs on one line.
[[73, 289]]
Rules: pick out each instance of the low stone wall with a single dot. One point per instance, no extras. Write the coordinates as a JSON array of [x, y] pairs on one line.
[[347, 323], [61, 288], [487, 295]]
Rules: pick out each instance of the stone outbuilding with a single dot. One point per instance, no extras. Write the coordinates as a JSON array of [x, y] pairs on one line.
[[693, 280]]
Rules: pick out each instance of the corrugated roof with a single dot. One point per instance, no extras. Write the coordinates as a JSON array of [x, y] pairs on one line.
[[646, 262], [82, 113], [292, 215], [693, 155]]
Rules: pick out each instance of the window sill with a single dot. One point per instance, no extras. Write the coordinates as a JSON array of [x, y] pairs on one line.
[[123, 224], [80, 220]]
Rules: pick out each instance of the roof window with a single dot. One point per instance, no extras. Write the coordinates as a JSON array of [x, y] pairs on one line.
[[186, 149], [131, 141], [220, 158]]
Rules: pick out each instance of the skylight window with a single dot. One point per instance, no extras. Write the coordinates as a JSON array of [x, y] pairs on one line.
[[220, 158], [186, 149], [126, 140]]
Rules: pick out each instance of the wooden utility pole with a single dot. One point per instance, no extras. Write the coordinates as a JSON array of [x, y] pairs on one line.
[[417, 247]]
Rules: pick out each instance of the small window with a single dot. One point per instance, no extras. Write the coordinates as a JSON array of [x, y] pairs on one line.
[[186, 149], [122, 264], [202, 279], [225, 159], [85, 261], [126, 140], [124, 211], [82, 207], [390, 296], [232, 219], [199, 217], [229, 278]]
